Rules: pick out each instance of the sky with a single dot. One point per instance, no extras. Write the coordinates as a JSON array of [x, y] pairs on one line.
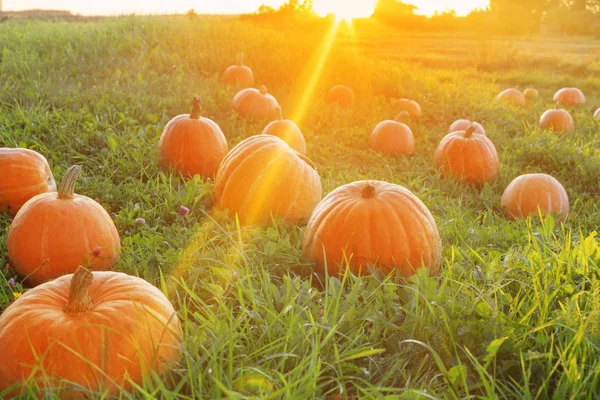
[[111, 7]]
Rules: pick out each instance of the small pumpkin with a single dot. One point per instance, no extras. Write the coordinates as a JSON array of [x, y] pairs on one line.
[[464, 124], [570, 97], [239, 74], [288, 131], [527, 194], [597, 114], [24, 174], [99, 330], [557, 120], [392, 137], [372, 223], [412, 107], [255, 104], [54, 233], [262, 177], [511, 96], [341, 95], [467, 156], [192, 145], [531, 94]]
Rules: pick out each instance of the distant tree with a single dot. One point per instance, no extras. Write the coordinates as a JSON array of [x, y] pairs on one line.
[[264, 9], [190, 13], [393, 8]]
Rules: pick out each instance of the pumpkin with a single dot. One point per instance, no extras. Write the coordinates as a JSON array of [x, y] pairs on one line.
[[531, 94], [597, 114], [511, 96], [288, 131], [372, 223], [239, 75], [25, 174], [54, 233], [97, 330], [467, 156], [192, 145], [557, 120], [412, 107], [341, 95], [262, 177], [529, 193], [255, 104], [464, 124], [570, 97], [392, 137]]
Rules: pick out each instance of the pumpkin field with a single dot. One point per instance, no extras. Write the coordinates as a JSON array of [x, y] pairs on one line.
[[364, 259]]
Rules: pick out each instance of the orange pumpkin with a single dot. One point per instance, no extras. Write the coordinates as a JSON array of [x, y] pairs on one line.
[[464, 124], [557, 120], [412, 107], [288, 131], [239, 75], [570, 97], [512, 96], [53, 233], [25, 173], [255, 104], [372, 223], [597, 114], [529, 193], [97, 330], [467, 156], [262, 177], [341, 95], [531, 94], [392, 137], [192, 145]]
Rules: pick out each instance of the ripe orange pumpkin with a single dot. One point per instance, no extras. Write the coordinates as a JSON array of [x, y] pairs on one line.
[[412, 107], [531, 93], [557, 120], [512, 96], [54, 233], [288, 131], [341, 95], [597, 114], [255, 104], [392, 137], [97, 330], [192, 145], [372, 223], [263, 176], [464, 124], [24, 174], [570, 97], [239, 75], [467, 156], [529, 193]]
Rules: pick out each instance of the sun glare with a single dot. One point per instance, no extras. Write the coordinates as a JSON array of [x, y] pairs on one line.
[[345, 9]]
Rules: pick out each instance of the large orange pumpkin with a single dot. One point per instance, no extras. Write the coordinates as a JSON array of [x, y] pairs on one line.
[[392, 137], [262, 177], [570, 97], [192, 145], [467, 156], [557, 120], [410, 106], [288, 131], [511, 96], [239, 75], [255, 104], [531, 94], [98, 330], [464, 124], [23, 174], [530, 193], [53, 233], [372, 223], [341, 95]]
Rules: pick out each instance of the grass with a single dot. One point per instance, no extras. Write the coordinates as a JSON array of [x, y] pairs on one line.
[[515, 312]]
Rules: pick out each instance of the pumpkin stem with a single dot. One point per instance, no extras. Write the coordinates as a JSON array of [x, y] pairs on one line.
[[66, 189], [263, 90], [195, 108], [403, 116], [306, 159], [470, 131], [368, 191], [279, 113], [79, 300], [240, 59], [557, 105]]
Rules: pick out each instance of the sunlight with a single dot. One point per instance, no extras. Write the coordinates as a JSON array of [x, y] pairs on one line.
[[345, 10]]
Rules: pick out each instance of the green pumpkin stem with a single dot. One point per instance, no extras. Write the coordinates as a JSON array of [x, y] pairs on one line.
[[263, 90], [195, 114], [79, 299], [66, 189], [470, 130], [367, 191]]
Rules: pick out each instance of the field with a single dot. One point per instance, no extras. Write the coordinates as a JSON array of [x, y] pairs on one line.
[[515, 312]]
